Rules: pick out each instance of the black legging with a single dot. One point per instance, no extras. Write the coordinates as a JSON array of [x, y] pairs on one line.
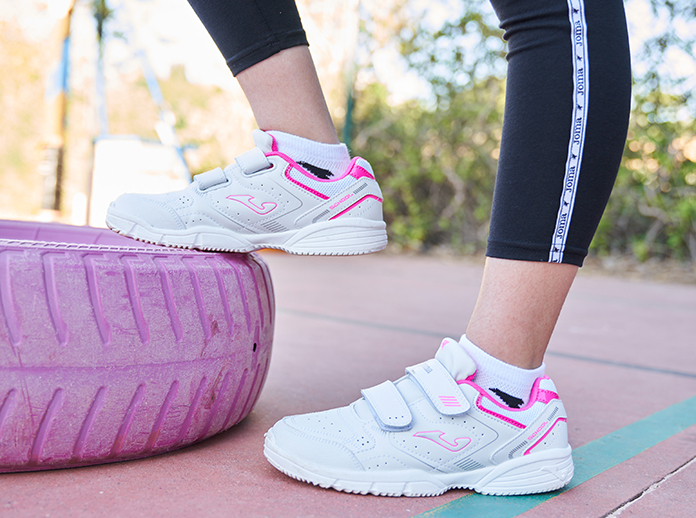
[[249, 31], [566, 111]]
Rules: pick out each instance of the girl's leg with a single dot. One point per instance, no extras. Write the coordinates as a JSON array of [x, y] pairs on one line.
[[285, 95], [482, 415], [517, 309], [566, 116], [267, 50], [298, 190]]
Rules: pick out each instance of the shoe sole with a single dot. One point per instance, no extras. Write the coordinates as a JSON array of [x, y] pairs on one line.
[[347, 236], [534, 473]]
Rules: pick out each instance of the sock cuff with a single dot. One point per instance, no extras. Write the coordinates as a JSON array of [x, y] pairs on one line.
[[494, 373], [334, 157], [483, 359]]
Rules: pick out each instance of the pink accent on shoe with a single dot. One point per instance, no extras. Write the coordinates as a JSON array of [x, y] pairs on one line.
[[302, 169], [358, 172], [436, 436], [538, 395], [348, 172], [345, 198], [560, 419], [450, 401], [494, 414], [263, 209], [274, 145], [536, 432], [308, 189], [447, 341], [543, 396], [372, 196]]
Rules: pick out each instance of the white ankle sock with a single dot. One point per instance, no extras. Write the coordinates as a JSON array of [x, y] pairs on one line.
[[496, 376], [322, 160]]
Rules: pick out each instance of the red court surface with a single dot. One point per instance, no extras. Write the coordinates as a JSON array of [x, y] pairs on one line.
[[623, 350]]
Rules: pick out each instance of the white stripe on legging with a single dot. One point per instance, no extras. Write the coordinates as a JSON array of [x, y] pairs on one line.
[[581, 88]]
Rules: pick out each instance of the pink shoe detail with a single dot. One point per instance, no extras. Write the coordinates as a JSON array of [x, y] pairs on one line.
[[371, 196], [538, 395], [247, 200], [437, 437], [354, 170], [541, 395], [450, 401], [495, 414], [540, 429], [358, 172], [345, 198], [299, 184], [303, 170], [447, 341]]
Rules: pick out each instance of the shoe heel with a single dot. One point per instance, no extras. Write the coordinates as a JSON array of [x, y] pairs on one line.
[[535, 473], [351, 236]]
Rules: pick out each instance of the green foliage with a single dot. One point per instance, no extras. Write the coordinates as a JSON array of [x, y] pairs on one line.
[[436, 159], [436, 167], [462, 54], [652, 211]]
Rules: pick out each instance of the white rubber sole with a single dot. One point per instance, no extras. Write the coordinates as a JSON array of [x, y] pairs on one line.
[[347, 236], [535, 473]]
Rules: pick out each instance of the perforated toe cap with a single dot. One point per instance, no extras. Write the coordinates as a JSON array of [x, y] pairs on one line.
[[313, 446], [150, 209]]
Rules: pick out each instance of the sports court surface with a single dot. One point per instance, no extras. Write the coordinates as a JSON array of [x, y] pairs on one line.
[[623, 358]]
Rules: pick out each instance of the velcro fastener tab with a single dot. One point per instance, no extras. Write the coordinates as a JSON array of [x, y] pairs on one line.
[[252, 161], [437, 383], [210, 178], [388, 407]]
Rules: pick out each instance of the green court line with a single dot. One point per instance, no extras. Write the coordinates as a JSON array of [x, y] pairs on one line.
[[590, 460]]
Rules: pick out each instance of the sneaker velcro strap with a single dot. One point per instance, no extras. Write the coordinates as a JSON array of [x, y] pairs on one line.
[[210, 178], [437, 383], [252, 161], [388, 407]]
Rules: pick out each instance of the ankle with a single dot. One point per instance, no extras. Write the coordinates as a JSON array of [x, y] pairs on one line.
[[320, 159], [507, 383]]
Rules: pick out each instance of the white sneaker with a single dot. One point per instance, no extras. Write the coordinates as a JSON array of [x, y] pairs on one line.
[[264, 200], [430, 431]]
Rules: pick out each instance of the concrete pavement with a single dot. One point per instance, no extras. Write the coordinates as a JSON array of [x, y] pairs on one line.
[[623, 351]]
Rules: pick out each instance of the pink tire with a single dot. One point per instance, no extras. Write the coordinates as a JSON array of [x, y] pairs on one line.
[[111, 349]]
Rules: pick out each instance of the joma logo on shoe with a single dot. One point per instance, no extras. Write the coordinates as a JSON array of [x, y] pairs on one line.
[[438, 438], [249, 202]]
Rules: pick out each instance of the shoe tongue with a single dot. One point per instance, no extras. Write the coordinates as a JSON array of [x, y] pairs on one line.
[[263, 140], [455, 359]]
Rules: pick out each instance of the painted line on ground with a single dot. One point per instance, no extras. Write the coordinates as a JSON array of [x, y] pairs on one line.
[[361, 323], [590, 460], [440, 335], [620, 364]]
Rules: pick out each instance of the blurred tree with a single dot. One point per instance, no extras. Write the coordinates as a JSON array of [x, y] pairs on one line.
[[436, 157], [102, 14], [652, 211]]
